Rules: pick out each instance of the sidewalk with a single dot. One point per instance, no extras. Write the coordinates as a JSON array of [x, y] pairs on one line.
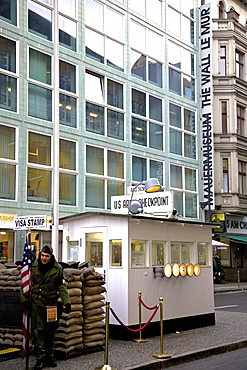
[[229, 333]]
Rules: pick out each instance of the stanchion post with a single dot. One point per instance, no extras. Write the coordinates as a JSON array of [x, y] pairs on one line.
[[106, 366], [140, 339], [161, 354]]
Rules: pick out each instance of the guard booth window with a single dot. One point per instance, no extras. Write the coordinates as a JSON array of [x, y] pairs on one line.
[[94, 249], [115, 253], [158, 253]]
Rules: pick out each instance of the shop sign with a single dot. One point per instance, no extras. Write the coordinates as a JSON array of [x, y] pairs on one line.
[[30, 222], [161, 202], [7, 220], [236, 225]]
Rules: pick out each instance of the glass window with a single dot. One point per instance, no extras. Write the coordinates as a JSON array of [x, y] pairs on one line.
[[175, 115], [190, 179], [138, 103], [191, 201], [7, 54], [114, 24], [155, 108], [175, 81], [39, 149], [175, 253], [175, 142], [114, 53], [94, 43], [94, 87], [225, 175], [38, 185], [114, 188], [189, 120], [156, 170], [8, 93], [115, 124], [67, 76], [95, 193], [67, 189], [139, 131], [202, 253], [155, 136], [67, 110], [224, 117], [139, 169], [158, 253], [39, 20], [183, 18], [39, 66], [95, 121], [138, 65], [94, 160], [94, 14], [176, 176], [116, 253], [67, 154], [67, 32], [67, 7], [115, 94], [239, 64], [94, 249], [7, 246], [115, 164], [185, 253], [7, 142], [8, 11], [189, 146], [222, 60], [138, 253], [7, 181], [180, 253], [39, 102]]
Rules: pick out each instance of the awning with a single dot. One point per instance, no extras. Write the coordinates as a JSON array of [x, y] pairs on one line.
[[215, 243], [239, 238]]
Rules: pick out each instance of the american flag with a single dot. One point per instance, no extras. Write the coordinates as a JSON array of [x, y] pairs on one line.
[[26, 276]]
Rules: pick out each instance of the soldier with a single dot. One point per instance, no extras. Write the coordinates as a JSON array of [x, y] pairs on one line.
[[47, 285]]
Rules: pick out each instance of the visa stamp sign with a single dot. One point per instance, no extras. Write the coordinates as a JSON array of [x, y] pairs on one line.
[[161, 202], [30, 222]]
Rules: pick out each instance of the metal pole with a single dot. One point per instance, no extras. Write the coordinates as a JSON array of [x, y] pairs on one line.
[[161, 354], [238, 278], [140, 340], [29, 259]]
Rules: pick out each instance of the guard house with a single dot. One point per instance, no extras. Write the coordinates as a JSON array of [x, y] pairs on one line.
[[158, 256]]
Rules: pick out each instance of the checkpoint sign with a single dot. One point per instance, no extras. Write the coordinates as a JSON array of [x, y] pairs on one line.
[[30, 222]]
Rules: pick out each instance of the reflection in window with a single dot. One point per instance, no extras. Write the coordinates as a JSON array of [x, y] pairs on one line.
[[94, 249], [139, 131], [39, 102], [67, 32], [38, 185], [156, 170], [138, 65], [67, 154], [115, 94], [113, 188], [202, 253], [115, 124], [67, 110], [39, 20], [115, 164], [8, 93], [155, 136], [67, 76], [94, 160], [139, 168], [95, 193], [7, 181], [7, 54], [95, 119], [7, 142], [94, 44], [94, 87], [39, 149], [39, 66], [67, 189], [67, 7], [116, 253], [8, 11], [158, 253], [114, 54], [138, 253]]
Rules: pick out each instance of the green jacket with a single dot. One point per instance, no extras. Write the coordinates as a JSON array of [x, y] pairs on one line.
[[45, 291]]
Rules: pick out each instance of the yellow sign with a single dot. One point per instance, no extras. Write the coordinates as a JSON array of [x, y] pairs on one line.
[[7, 217]]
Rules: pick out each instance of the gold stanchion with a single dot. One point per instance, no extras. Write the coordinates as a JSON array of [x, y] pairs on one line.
[[106, 366], [161, 354], [140, 339]]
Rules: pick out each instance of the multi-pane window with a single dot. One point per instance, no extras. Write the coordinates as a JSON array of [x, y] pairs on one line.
[[104, 106], [202, 249], [151, 9], [67, 96], [183, 182], [147, 128], [144, 168], [40, 19], [180, 253], [67, 172], [104, 36], [158, 253], [39, 168], [8, 162], [146, 54], [8, 11], [225, 175], [240, 120], [104, 176], [242, 177], [181, 71], [224, 117], [138, 253], [39, 86], [222, 60], [182, 131], [8, 80], [181, 19], [67, 23], [239, 64]]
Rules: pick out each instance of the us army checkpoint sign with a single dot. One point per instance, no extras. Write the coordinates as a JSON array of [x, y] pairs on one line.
[[161, 202]]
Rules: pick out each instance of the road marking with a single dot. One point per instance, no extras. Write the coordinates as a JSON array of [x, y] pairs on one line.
[[233, 305]]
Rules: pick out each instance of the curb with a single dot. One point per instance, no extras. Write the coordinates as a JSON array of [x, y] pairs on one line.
[[190, 356]]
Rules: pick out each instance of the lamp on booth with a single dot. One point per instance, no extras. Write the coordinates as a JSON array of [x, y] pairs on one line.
[[151, 185]]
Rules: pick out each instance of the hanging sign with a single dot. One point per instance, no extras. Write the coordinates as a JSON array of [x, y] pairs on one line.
[[30, 222]]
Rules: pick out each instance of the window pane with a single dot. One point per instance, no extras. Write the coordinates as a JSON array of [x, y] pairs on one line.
[[67, 110], [7, 54], [114, 25], [67, 7], [94, 160], [191, 205], [38, 185], [94, 87], [67, 189], [154, 11], [7, 181], [67, 154], [138, 103], [39, 149], [190, 179], [94, 249], [175, 253], [155, 73], [175, 115], [113, 188], [189, 87], [114, 54], [39, 66], [175, 142], [202, 253], [189, 146], [188, 62], [95, 194], [174, 55], [173, 18], [155, 108], [95, 119], [176, 176], [67, 32], [156, 170], [138, 65], [8, 11], [39, 102], [115, 253], [39, 20], [138, 253], [115, 124], [94, 45], [7, 142], [94, 15], [67, 76], [187, 29], [158, 253], [178, 202], [8, 93], [138, 37], [155, 136], [174, 81], [115, 94], [185, 253], [187, 7], [115, 164], [139, 131], [138, 6], [139, 169], [189, 120]]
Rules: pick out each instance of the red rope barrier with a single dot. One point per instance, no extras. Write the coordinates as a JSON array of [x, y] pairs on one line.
[[143, 327], [148, 308]]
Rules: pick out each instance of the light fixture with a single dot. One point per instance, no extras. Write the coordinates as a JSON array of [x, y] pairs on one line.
[[151, 185]]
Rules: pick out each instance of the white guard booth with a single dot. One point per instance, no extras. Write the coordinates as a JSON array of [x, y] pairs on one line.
[[154, 255]]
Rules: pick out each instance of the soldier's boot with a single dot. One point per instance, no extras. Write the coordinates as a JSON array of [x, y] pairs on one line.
[[39, 364]]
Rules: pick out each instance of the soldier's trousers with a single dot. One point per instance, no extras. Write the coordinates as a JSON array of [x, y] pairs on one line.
[[44, 343]]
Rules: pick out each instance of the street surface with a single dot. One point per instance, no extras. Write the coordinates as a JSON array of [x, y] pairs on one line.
[[231, 301]]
